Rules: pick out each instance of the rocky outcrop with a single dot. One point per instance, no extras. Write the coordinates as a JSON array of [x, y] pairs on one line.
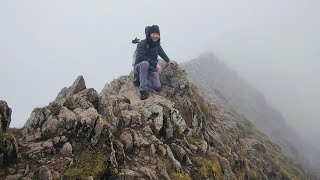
[[5, 116], [174, 134], [74, 109], [8, 143]]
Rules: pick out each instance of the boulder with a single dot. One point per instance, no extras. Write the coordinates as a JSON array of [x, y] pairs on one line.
[[5, 116]]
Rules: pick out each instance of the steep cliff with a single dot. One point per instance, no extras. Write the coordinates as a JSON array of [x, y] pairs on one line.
[[219, 83]]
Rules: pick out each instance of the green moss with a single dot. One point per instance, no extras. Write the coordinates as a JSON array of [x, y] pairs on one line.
[[226, 152], [206, 108], [106, 121], [166, 112], [88, 162], [209, 167], [5, 136], [202, 108], [179, 176], [193, 87], [252, 173], [243, 170], [193, 137]]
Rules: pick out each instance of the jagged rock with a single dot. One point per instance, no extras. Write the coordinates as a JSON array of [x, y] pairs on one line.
[[90, 124], [98, 128], [127, 139], [67, 117], [130, 118], [8, 143], [197, 124], [139, 140], [77, 86], [66, 149], [162, 150], [226, 169], [147, 131], [58, 139], [114, 87], [116, 103], [179, 152], [5, 116], [213, 139], [84, 99], [155, 115], [152, 149], [178, 120], [75, 110], [44, 173], [43, 123], [175, 164], [49, 127], [202, 146], [61, 95]]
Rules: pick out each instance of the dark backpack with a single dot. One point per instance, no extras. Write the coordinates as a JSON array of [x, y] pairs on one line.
[[137, 41], [134, 59]]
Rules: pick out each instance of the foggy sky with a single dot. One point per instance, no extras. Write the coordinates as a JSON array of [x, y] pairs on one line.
[[275, 45]]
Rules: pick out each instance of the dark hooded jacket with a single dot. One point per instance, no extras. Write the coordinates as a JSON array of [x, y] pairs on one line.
[[148, 50]]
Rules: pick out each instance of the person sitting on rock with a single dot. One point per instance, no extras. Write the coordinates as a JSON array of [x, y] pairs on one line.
[[146, 67]]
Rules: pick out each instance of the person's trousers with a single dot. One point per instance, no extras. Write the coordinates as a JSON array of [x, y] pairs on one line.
[[148, 79]]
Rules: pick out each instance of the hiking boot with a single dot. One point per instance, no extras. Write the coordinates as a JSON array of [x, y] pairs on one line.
[[144, 95]]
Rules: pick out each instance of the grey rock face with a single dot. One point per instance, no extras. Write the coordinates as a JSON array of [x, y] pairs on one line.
[[5, 116], [8, 149], [8, 143], [74, 109]]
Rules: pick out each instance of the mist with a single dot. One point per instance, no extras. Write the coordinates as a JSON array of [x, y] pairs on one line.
[[273, 44]]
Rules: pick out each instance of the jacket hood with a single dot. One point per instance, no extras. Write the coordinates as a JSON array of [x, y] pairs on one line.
[[148, 38]]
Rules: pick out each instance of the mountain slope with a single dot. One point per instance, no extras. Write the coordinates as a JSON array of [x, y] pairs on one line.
[[174, 134], [220, 83]]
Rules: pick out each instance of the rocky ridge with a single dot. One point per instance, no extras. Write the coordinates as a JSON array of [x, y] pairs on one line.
[[174, 134]]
